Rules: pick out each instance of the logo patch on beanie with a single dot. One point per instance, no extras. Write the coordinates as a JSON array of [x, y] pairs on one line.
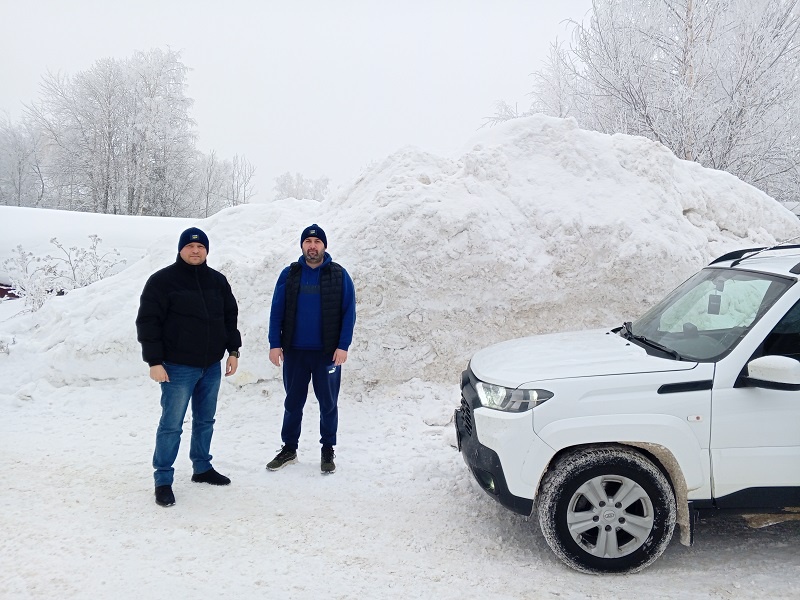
[[195, 236], [312, 232]]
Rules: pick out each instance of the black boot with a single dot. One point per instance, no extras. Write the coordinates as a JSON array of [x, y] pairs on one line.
[[164, 495], [327, 466], [212, 477]]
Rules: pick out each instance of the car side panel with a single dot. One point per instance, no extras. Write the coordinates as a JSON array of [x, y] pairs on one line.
[[629, 408], [755, 439], [666, 431]]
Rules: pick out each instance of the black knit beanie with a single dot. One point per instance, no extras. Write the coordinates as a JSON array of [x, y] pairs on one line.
[[313, 231], [193, 234]]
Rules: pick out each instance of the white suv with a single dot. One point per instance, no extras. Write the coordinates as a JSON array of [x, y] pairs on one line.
[[613, 436]]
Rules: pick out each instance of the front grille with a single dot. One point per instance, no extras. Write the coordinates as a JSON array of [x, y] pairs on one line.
[[466, 413]]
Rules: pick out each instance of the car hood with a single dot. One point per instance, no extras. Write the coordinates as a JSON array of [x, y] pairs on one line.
[[565, 355]]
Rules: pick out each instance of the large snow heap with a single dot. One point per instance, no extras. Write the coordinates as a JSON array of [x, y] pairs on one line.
[[538, 226]]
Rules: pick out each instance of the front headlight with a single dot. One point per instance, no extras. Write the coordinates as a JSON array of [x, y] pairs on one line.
[[501, 398]]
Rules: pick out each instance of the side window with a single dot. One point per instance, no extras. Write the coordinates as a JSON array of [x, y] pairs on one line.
[[784, 339]]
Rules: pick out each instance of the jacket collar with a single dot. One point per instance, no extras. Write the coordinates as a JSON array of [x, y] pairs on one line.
[[182, 264], [326, 260]]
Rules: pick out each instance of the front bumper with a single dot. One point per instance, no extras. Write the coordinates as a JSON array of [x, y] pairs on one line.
[[484, 463]]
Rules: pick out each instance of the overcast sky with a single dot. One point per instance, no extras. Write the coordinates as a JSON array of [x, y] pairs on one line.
[[320, 87]]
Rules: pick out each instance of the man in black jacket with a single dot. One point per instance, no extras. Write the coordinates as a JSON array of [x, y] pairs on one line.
[[187, 319]]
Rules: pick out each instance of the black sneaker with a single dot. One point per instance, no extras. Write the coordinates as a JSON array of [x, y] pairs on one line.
[[326, 464], [212, 477], [164, 495], [285, 457]]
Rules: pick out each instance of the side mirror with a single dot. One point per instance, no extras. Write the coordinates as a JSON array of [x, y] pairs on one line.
[[773, 372]]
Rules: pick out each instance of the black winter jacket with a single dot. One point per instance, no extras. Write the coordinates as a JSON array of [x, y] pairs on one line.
[[187, 315]]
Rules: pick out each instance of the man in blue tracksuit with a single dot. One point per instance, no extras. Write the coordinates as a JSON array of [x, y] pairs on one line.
[[310, 330]]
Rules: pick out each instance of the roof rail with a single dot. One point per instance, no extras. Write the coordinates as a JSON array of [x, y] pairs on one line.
[[734, 255], [739, 255]]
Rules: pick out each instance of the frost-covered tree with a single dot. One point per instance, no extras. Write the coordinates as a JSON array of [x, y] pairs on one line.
[[119, 134], [240, 181], [161, 143], [211, 179], [553, 90], [223, 183], [82, 120], [297, 186], [117, 138], [21, 179], [716, 81]]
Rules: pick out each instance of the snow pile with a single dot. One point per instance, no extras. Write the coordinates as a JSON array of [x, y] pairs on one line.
[[539, 226]]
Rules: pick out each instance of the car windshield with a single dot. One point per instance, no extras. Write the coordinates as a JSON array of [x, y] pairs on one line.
[[706, 316]]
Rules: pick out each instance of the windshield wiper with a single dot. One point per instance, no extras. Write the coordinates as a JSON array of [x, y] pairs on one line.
[[627, 333]]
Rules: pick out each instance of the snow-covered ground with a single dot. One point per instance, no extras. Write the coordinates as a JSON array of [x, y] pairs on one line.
[[537, 226], [33, 228]]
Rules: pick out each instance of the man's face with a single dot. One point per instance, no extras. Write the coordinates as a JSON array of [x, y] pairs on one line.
[[194, 253], [314, 251]]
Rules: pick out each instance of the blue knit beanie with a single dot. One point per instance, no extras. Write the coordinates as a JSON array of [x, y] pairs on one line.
[[193, 234], [313, 231]]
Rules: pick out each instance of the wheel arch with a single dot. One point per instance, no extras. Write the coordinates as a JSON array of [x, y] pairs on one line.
[[662, 458], [582, 548], [679, 448]]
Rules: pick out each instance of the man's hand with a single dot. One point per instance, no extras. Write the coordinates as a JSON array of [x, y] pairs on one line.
[[231, 365], [276, 356], [159, 374], [339, 357]]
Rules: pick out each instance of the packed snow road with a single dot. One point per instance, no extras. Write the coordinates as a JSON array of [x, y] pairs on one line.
[[401, 518]]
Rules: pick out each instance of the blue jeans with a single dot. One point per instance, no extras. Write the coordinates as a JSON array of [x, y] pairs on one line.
[[185, 383], [300, 367]]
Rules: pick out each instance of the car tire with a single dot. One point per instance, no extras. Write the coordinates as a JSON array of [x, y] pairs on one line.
[[606, 510]]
